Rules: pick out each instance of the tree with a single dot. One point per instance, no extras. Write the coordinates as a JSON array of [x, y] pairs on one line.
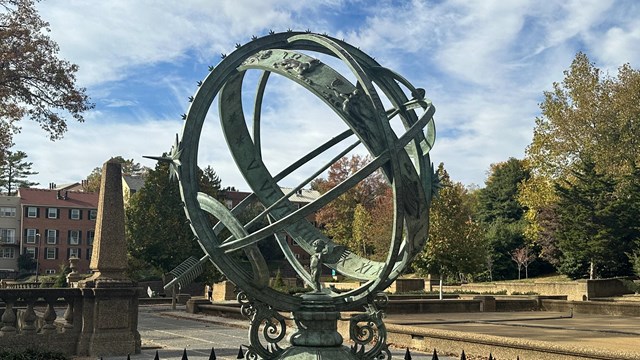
[[34, 82], [593, 236], [129, 167], [501, 214], [522, 256], [158, 233], [587, 115], [455, 246], [14, 171], [339, 216]]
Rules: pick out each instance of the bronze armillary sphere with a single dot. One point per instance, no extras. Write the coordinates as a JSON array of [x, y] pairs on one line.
[[403, 159]]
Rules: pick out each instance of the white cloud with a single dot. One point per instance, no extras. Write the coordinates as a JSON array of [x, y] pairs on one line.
[[484, 64]]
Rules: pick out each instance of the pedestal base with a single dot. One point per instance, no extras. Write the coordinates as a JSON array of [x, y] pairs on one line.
[[317, 353]]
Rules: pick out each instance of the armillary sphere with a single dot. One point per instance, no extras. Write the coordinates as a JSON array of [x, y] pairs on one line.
[[403, 159]]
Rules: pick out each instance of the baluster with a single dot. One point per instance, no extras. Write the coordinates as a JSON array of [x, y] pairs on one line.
[[49, 316], [68, 314], [9, 316], [29, 318]]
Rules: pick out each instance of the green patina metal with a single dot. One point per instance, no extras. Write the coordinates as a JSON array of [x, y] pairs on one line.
[[403, 159]]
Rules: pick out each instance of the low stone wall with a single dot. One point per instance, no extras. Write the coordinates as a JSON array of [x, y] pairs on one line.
[[599, 288], [432, 306], [593, 307], [406, 286], [575, 290]]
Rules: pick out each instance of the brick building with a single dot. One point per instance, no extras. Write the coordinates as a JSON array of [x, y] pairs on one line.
[[9, 235], [57, 225]]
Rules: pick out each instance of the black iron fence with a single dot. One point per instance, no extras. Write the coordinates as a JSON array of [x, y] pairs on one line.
[[407, 355]]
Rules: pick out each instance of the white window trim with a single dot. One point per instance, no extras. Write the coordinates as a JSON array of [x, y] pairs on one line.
[[55, 213], [46, 253], [74, 240], [54, 237], [31, 238], [7, 211], [9, 235], [74, 252], [77, 214], [93, 214], [30, 214]]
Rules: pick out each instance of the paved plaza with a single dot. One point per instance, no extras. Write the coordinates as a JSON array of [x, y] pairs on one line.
[[171, 331]]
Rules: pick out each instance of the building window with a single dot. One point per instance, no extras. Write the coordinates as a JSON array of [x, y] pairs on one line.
[[30, 235], [30, 251], [52, 237], [7, 253], [51, 253], [52, 213], [7, 212], [90, 235], [50, 271], [32, 212], [7, 236], [74, 237], [89, 251], [75, 214], [229, 203], [93, 214], [74, 253]]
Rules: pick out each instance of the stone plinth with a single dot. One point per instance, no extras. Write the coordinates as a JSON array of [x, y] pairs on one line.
[[224, 291]]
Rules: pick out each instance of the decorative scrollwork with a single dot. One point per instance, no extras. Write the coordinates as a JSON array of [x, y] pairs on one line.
[[368, 329], [266, 330]]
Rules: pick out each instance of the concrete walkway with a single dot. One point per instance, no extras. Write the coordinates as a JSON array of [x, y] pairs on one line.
[[169, 332], [563, 329]]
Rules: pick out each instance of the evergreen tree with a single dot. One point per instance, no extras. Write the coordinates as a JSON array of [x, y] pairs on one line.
[[593, 234], [158, 233], [501, 214], [14, 171]]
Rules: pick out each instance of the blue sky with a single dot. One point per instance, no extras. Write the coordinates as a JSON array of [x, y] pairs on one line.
[[484, 64]]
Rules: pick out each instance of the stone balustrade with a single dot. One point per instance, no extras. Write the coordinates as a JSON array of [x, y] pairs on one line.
[[64, 319], [49, 318]]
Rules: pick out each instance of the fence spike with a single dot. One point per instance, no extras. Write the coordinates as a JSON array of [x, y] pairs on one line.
[[435, 355], [407, 355], [463, 356], [157, 357], [240, 353], [213, 354], [491, 357], [128, 356], [184, 354]]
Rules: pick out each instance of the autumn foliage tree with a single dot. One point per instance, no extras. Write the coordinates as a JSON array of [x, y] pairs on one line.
[[588, 115], [34, 82], [358, 218], [456, 244]]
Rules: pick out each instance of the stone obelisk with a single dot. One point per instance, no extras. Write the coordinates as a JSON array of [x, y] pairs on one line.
[[110, 307], [109, 257]]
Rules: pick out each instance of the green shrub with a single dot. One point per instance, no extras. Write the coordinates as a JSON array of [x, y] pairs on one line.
[[32, 354]]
